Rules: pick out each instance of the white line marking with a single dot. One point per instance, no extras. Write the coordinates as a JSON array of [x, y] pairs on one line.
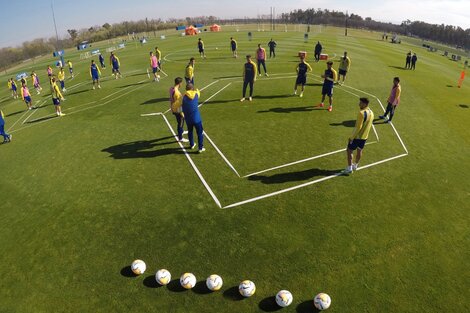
[[382, 161], [375, 131], [301, 161], [166, 75], [282, 191], [34, 111], [152, 114], [122, 89], [214, 94], [209, 85], [27, 111], [221, 154], [193, 165]]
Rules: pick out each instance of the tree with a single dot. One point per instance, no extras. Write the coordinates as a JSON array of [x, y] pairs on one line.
[[106, 26], [73, 34]]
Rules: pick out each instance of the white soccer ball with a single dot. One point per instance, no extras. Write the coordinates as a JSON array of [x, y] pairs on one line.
[[188, 280], [284, 298], [247, 288], [163, 277], [216, 48], [214, 282], [322, 301], [138, 267]]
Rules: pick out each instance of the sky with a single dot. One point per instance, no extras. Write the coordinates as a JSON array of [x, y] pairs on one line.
[[30, 19]]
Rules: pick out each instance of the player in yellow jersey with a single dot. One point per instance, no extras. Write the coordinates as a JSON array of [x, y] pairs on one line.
[[69, 64], [56, 97], [176, 102], [359, 137], [344, 64], [189, 73], [61, 78]]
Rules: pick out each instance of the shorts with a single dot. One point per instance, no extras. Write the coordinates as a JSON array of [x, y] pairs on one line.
[[357, 144], [342, 72], [56, 101], [201, 50], [154, 69], [95, 77], [327, 90], [189, 81], [27, 99], [115, 68], [234, 48], [301, 80], [71, 70], [13, 88], [36, 85]]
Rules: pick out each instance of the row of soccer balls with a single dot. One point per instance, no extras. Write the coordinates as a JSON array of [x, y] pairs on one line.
[[247, 288]]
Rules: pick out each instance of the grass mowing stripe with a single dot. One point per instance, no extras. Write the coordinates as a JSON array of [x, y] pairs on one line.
[[222, 155]]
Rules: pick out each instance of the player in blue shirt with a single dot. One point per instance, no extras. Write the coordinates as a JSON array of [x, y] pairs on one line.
[[6, 137], [101, 58], [330, 77], [114, 60], [193, 117], [95, 74]]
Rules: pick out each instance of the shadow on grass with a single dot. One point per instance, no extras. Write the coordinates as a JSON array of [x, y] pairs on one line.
[[293, 176], [15, 113], [398, 67], [349, 123], [269, 305], [288, 110], [150, 282], [314, 84], [273, 97], [142, 149], [136, 84], [449, 86], [175, 286], [306, 307], [464, 106], [137, 74], [201, 288], [41, 119], [77, 92], [156, 100], [233, 294], [127, 272]]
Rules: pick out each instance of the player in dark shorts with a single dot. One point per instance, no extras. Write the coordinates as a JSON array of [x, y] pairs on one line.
[[330, 77], [302, 69]]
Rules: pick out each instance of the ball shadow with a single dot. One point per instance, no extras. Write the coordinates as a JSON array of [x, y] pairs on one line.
[[233, 294], [150, 282], [175, 286], [127, 272], [269, 305], [201, 288], [306, 307]]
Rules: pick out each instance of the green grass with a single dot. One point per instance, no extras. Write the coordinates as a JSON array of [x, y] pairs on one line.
[[84, 195]]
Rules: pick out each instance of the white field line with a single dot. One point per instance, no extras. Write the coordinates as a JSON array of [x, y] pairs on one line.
[[282, 191], [151, 114], [193, 165], [27, 111], [302, 161], [215, 94], [382, 161], [34, 111], [64, 110], [221, 154], [110, 95], [375, 132], [166, 75]]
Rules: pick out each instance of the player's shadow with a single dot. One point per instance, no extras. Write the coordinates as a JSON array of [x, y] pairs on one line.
[[273, 97], [349, 123], [464, 106], [314, 84], [398, 67], [288, 110], [293, 176], [77, 92], [15, 113], [41, 119], [136, 74], [175, 286], [150, 282], [306, 307], [233, 294], [127, 272], [269, 305], [201, 288], [156, 100], [143, 149], [130, 85]]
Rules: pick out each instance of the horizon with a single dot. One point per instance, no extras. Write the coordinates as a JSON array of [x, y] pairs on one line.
[[88, 13]]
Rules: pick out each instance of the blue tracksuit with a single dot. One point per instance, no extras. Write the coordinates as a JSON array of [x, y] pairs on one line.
[[193, 117]]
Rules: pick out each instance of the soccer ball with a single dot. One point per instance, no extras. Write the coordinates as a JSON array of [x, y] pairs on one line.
[[247, 288], [216, 48], [163, 277], [214, 282], [138, 267], [188, 280], [284, 298], [322, 301]]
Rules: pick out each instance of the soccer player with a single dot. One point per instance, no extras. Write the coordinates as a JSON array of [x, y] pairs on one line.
[[61, 78], [408, 60], [6, 137], [233, 46], [200, 46], [13, 88], [302, 69], [35, 79], [261, 58], [344, 64], [26, 96], [158, 54], [249, 77], [330, 77], [154, 66], [69, 64], [95, 74], [318, 49], [101, 58], [56, 97], [49, 72], [176, 102], [393, 100], [272, 46], [114, 61], [189, 74], [359, 137], [414, 58], [193, 117]]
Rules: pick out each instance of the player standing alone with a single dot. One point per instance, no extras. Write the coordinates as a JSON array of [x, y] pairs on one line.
[[56, 97], [26, 96], [101, 58], [69, 63], [114, 61], [95, 74], [36, 84], [359, 136], [189, 73], [344, 64], [61, 77], [302, 69], [393, 100], [200, 46], [233, 46], [154, 65], [13, 88], [261, 58], [272, 46], [330, 77], [249, 77]]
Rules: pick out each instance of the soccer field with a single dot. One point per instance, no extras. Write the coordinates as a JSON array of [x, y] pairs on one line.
[[84, 195]]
